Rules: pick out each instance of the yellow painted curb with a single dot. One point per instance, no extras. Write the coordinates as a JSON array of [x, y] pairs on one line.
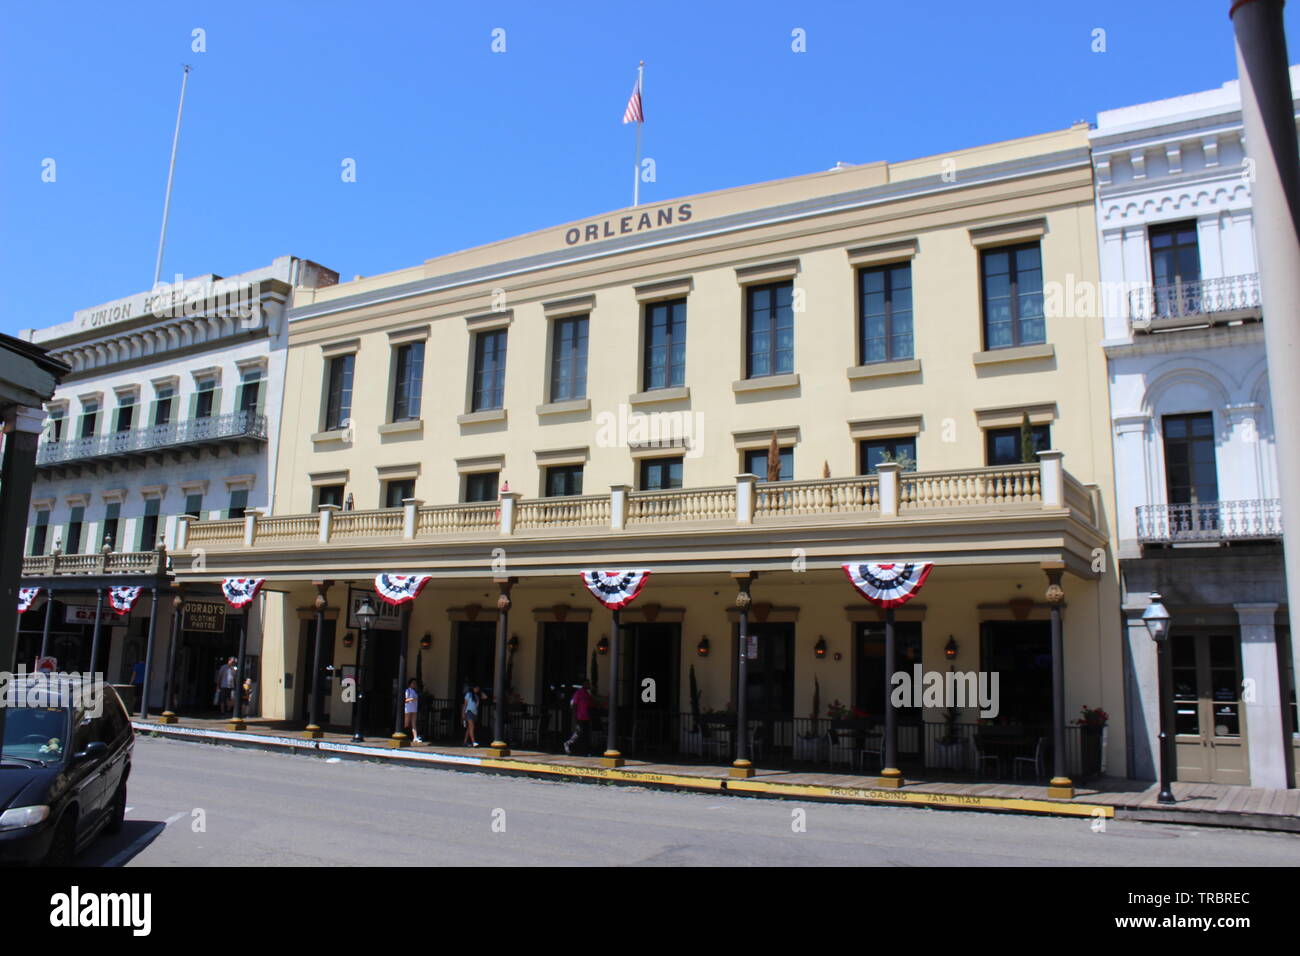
[[955, 800], [604, 773]]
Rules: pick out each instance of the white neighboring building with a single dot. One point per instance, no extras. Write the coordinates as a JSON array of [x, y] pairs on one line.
[[172, 407], [1196, 478]]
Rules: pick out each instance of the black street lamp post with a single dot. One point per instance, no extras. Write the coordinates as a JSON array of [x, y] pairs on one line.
[[1156, 619], [366, 615]]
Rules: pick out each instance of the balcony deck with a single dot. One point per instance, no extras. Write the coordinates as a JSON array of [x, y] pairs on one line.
[[1210, 521], [993, 509], [1199, 304], [193, 433]]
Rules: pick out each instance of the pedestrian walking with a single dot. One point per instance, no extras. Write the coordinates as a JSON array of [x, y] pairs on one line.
[[469, 713], [581, 704], [226, 675], [412, 709]]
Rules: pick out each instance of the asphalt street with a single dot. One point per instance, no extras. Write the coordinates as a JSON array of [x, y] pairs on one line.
[[194, 804]]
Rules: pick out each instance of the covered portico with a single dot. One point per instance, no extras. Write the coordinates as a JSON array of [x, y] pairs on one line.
[[504, 607]]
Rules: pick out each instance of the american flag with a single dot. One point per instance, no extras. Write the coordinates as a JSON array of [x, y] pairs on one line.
[[633, 113]]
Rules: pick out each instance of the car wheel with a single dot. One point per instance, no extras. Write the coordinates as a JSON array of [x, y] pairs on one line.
[[117, 812], [63, 846]]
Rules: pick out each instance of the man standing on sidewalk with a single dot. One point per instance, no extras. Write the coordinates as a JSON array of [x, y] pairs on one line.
[[226, 685], [581, 705]]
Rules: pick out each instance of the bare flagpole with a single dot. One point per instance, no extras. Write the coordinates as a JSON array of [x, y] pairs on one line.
[[167, 201], [636, 172]]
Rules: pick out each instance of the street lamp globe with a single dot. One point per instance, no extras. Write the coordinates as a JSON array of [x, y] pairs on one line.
[[366, 613], [1156, 618]]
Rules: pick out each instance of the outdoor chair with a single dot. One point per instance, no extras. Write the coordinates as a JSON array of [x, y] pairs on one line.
[[983, 756], [842, 747], [874, 746], [1035, 762]]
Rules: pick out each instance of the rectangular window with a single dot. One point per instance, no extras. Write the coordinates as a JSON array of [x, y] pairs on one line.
[[661, 473], [408, 382], [41, 532], [338, 401], [89, 419], [395, 492], [1175, 268], [76, 522], [563, 480], [125, 412], [489, 370], [756, 464], [665, 344], [1013, 296], [194, 506], [1191, 473], [112, 518], [770, 329], [162, 405], [329, 495], [872, 453], [149, 525], [250, 391], [569, 359], [482, 486], [204, 399], [238, 503], [1005, 446], [885, 311], [57, 416]]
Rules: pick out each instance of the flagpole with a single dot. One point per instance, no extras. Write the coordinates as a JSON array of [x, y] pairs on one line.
[[636, 170], [167, 200]]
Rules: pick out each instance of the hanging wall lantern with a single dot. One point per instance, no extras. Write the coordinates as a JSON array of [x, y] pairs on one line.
[[819, 649], [950, 649], [702, 648]]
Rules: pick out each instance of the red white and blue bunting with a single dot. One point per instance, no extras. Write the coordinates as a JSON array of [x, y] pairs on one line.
[[400, 588], [25, 598], [122, 599], [615, 589], [241, 591], [888, 585]]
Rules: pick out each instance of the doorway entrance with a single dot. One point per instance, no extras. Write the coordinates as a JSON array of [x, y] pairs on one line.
[[309, 683], [651, 652], [380, 682], [869, 669], [564, 667], [475, 658], [1209, 721], [769, 690], [1021, 654]]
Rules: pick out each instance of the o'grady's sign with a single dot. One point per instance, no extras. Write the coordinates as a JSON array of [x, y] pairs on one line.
[[614, 226]]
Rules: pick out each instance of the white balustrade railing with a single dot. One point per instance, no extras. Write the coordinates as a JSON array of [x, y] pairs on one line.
[[681, 504], [856, 498]]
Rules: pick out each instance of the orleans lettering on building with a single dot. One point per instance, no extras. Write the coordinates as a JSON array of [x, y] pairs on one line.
[[614, 226]]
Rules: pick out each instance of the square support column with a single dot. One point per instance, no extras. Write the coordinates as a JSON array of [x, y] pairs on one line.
[[1262, 695]]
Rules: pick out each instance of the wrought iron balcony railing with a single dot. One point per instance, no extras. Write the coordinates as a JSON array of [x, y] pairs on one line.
[[1203, 301], [1210, 521], [191, 431]]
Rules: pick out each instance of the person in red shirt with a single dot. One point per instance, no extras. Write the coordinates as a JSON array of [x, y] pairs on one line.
[[581, 705]]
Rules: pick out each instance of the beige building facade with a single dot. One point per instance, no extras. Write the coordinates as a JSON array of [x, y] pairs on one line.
[[606, 394]]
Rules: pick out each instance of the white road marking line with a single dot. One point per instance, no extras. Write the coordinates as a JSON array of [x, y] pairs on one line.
[[136, 845], [173, 818]]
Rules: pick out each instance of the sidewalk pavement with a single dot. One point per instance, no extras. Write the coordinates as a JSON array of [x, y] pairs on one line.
[[1108, 797]]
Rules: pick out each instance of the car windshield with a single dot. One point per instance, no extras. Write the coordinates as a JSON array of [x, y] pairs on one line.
[[36, 733]]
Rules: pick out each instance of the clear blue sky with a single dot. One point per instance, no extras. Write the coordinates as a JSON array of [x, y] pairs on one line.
[[456, 145]]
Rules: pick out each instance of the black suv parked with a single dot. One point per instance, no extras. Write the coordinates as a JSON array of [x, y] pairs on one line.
[[63, 767]]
